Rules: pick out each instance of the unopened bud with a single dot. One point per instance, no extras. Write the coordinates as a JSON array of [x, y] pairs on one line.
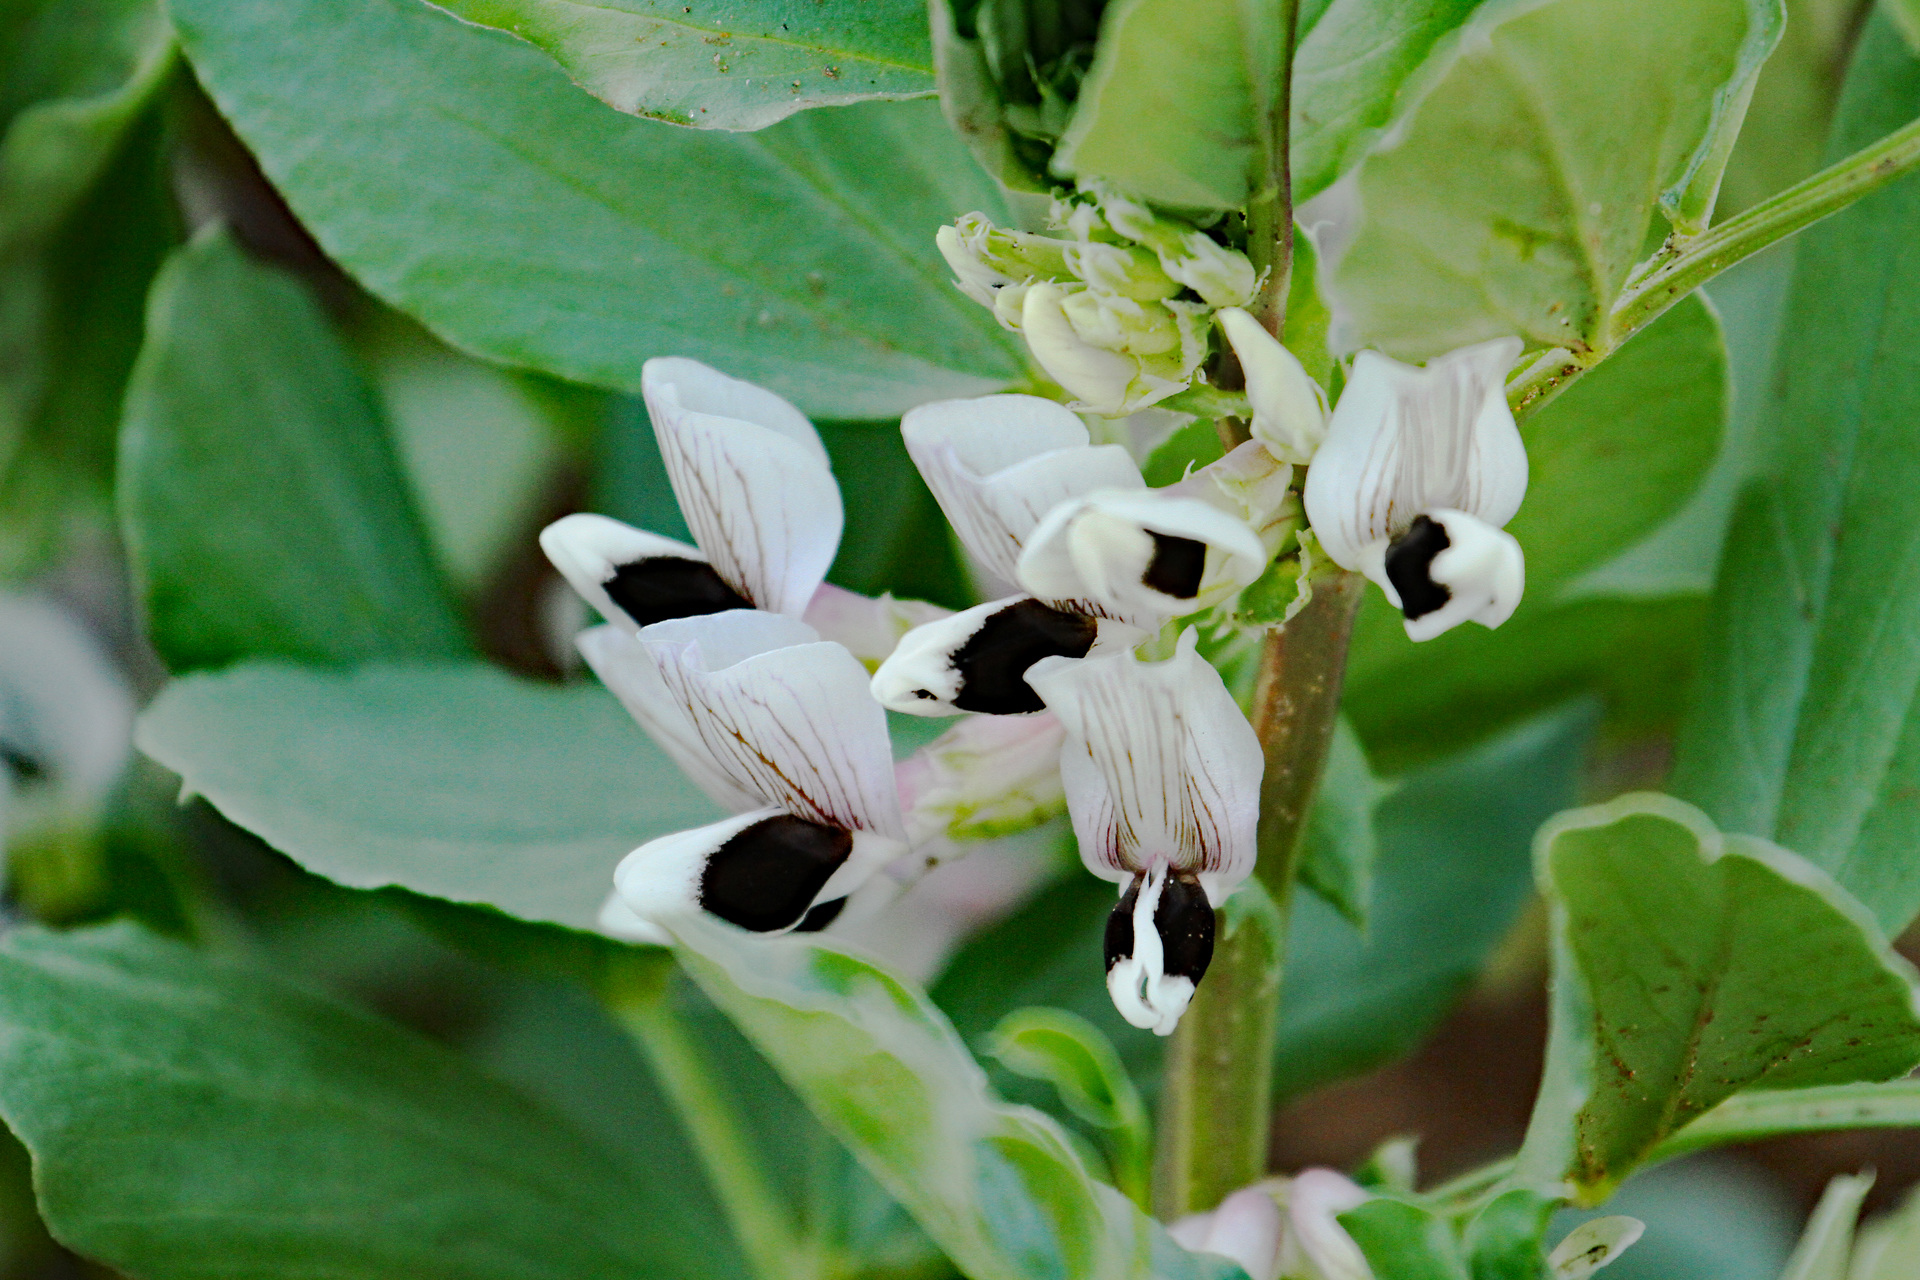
[[1122, 324], [1222, 277], [976, 279], [1130, 271], [1101, 378], [1289, 408]]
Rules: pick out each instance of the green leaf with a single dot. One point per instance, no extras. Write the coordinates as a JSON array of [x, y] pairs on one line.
[[456, 782], [1764, 973], [1453, 872], [1072, 1055], [744, 67], [900, 543], [1341, 847], [1178, 103], [1803, 728], [998, 1188], [189, 1117], [1905, 16], [1610, 461], [1505, 1240], [1188, 449], [1889, 1246], [264, 510], [1520, 186], [1404, 1242], [1353, 59], [1748, 1117], [466, 182]]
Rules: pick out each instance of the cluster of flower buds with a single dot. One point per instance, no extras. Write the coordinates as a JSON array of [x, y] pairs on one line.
[[1115, 308], [769, 687]]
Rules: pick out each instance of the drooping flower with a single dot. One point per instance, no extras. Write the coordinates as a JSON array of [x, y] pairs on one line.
[[752, 480], [1162, 775], [1420, 471], [786, 723], [1002, 468], [1289, 407]]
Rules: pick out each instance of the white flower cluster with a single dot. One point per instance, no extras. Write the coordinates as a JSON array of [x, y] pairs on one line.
[[769, 687], [1116, 309]]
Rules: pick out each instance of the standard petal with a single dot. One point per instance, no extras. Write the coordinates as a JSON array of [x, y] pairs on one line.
[[977, 659], [634, 578], [1140, 556], [1404, 440], [997, 464], [1160, 767], [630, 672], [752, 480], [796, 724]]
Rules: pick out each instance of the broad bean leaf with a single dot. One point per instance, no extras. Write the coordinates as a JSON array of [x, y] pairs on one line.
[[1826, 1244], [455, 781], [1759, 1113], [189, 1117], [1453, 873], [1803, 728], [1610, 460], [1520, 185], [466, 182], [998, 1188], [264, 510], [1178, 104], [1405, 1242], [1706, 964], [1353, 60], [731, 64]]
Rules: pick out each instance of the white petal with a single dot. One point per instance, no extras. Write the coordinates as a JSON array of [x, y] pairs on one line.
[[1593, 1245], [617, 920], [1131, 555], [795, 725], [589, 550], [869, 626], [1160, 766], [1146, 995], [1102, 379], [630, 672], [977, 659], [63, 705], [1403, 441], [752, 480], [997, 464], [1247, 1228], [1479, 576], [1289, 408], [1315, 1199]]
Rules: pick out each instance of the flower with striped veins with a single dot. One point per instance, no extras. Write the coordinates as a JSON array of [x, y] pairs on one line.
[[752, 480], [786, 721], [1420, 471], [1162, 775], [1024, 487]]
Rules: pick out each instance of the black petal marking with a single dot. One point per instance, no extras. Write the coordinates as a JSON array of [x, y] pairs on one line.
[[1120, 926], [1409, 568], [662, 587], [1176, 567], [993, 663], [1184, 920], [821, 916], [766, 876]]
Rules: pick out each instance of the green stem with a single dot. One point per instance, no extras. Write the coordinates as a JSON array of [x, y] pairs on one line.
[[1687, 262], [760, 1217]]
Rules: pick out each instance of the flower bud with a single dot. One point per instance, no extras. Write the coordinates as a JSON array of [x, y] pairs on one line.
[[1122, 324], [1246, 1227], [1130, 271], [976, 279], [1289, 408], [1101, 378], [1223, 277]]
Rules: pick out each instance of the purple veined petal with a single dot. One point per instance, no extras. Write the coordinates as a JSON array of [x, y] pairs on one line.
[[752, 480], [997, 464], [795, 724]]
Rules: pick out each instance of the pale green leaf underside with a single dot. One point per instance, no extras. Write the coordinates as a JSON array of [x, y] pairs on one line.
[[998, 1188], [457, 782], [1804, 729], [738, 64], [189, 1117], [264, 508], [1712, 964], [467, 182], [1517, 190]]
